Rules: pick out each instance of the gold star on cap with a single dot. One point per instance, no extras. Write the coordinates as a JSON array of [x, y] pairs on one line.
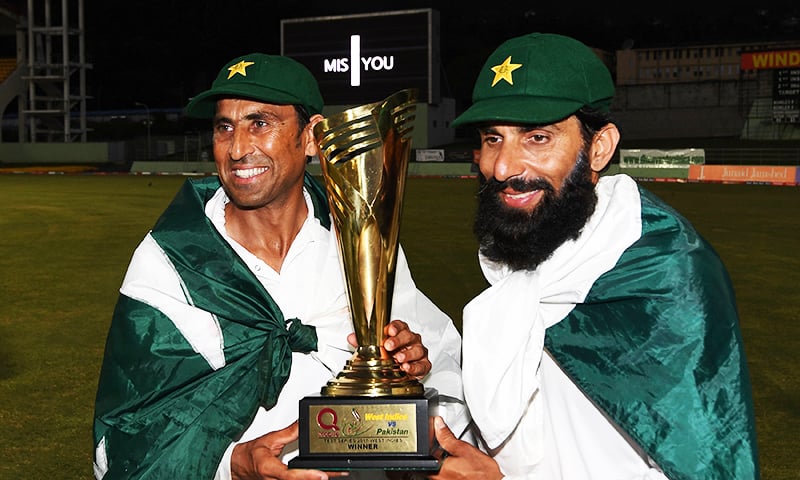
[[241, 67], [503, 71]]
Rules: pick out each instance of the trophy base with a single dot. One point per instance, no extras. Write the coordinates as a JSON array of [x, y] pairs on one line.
[[367, 433], [334, 464]]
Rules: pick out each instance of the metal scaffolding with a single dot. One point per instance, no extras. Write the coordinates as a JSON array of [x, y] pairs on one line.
[[54, 107]]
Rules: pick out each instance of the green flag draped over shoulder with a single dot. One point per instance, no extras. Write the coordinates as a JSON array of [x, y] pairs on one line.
[[161, 410], [664, 358]]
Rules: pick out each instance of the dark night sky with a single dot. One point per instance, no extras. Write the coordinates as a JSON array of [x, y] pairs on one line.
[[163, 52]]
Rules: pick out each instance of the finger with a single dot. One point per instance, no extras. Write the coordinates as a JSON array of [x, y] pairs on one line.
[[292, 430], [444, 435], [417, 369], [279, 438], [351, 339], [337, 474], [411, 353], [403, 338], [395, 327]]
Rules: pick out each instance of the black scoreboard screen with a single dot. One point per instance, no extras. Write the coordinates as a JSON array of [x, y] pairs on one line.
[[364, 58]]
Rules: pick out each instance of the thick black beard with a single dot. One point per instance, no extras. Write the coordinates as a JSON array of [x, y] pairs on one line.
[[523, 240]]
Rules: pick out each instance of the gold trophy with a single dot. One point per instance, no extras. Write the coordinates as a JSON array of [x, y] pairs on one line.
[[372, 415]]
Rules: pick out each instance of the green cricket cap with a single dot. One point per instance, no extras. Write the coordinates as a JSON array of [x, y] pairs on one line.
[[265, 78], [538, 78]]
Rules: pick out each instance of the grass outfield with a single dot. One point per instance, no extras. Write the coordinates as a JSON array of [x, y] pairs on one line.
[[68, 238]]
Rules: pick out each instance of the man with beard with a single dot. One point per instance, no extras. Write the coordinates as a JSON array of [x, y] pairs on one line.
[[608, 344]]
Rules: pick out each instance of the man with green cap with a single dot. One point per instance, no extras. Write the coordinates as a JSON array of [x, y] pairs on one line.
[[607, 345], [234, 305]]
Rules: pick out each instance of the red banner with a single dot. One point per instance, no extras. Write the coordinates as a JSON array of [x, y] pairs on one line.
[[767, 60], [743, 174]]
